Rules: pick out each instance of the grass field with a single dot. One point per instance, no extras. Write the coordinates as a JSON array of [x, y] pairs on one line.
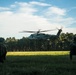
[[38, 63]]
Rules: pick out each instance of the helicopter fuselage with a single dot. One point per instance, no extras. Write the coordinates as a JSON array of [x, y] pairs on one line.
[[42, 36], [39, 35]]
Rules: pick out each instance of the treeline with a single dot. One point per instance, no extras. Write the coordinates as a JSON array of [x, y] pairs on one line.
[[25, 44]]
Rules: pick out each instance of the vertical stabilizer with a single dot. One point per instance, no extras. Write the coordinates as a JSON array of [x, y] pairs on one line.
[[58, 34]]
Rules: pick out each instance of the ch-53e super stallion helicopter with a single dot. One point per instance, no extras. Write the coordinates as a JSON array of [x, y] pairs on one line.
[[39, 35]]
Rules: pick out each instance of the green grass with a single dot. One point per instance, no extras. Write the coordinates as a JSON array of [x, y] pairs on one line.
[[38, 63]]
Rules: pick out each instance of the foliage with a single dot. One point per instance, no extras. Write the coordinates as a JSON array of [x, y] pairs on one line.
[[25, 44]]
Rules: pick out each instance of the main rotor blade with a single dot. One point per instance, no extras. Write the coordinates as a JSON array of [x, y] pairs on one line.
[[37, 31], [48, 30], [28, 32]]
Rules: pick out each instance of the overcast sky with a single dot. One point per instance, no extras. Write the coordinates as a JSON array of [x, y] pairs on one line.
[[20, 15]]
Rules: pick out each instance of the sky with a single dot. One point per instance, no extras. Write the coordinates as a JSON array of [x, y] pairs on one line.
[[20, 15]]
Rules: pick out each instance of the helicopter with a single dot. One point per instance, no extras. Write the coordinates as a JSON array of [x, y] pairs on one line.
[[39, 35]]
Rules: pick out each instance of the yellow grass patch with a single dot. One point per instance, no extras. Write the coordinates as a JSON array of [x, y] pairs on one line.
[[38, 53]]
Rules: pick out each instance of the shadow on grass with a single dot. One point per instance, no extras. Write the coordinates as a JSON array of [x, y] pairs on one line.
[[38, 65]]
